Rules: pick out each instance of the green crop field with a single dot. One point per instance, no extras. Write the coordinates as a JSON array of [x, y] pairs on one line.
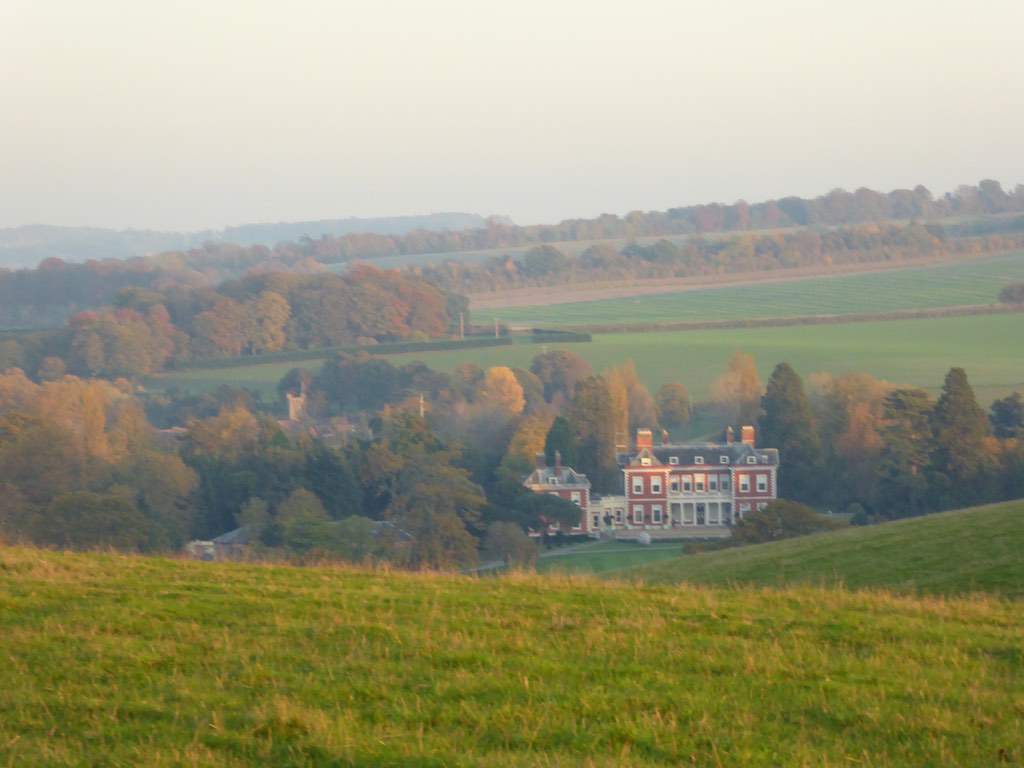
[[946, 285], [915, 352], [953, 552], [125, 661]]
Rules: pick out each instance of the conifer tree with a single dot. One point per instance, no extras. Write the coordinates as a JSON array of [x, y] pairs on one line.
[[787, 423], [960, 459], [560, 438], [903, 464], [593, 427]]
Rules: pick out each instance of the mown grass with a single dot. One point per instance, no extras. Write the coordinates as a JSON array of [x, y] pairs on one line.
[[916, 352], [116, 660], [944, 285], [979, 549], [605, 557]]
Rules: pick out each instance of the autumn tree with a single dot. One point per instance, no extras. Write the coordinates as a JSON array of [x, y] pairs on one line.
[[507, 542], [501, 393], [559, 371], [739, 389]]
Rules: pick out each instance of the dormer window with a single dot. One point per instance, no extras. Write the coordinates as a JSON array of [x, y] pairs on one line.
[[698, 459], [673, 460], [552, 481], [751, 459], [645, 462], [723, 459]]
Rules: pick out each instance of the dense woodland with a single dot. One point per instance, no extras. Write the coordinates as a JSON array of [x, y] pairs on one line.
[[864, 244], [146, 330], [82, 465], [48, 295]]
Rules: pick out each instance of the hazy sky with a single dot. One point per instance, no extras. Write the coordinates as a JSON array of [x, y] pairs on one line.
[[192, 114]]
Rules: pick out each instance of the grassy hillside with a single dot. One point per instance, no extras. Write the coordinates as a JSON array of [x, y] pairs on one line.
[[945, 285], [917, 352], [112, 660], [954, 552]]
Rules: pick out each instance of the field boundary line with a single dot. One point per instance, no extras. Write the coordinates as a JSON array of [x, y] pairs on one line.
[[778, 322]]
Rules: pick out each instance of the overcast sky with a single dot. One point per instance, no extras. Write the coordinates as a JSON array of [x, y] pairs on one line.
[[186, 114]]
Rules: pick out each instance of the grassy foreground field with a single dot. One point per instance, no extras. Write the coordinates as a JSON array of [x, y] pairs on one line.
[[115, 660], [916, 352], [941, 285], [968, 550]]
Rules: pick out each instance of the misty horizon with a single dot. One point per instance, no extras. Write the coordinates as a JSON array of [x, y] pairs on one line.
[[198, 116]]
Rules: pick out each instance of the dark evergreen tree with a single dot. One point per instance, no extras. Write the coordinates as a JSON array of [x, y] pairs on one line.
[[787, 423], [560, 438], [960, 460], [1007, 416], [592, 421], [906, 453]]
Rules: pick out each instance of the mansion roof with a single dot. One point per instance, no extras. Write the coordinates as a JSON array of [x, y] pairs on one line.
[[708, 454], [560, 476]]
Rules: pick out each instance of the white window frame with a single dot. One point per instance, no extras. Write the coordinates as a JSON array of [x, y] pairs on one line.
[[655, 484], [637, 484], [713, 482], [723, 482], [673, 460], [638, 514], [596, 520], [645, 462], [751, 459], [656, 514], [698, 459], [744, 508], [699, 483], [723, 459], [762, 483], [688, 484], [744, 483], [552, 481], [761, 506], [619, 514], [577, 498]]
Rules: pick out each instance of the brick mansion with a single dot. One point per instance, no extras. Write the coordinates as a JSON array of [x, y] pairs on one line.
[[670, 489]]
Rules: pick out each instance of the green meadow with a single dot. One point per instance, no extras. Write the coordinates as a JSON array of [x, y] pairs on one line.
[[972, 550], [944, 285], [915, 352], [117, 660]]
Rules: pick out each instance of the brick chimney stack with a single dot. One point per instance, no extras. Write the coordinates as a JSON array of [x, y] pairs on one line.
[[747, 435], [664, 437], [730, 435], [644, 439]]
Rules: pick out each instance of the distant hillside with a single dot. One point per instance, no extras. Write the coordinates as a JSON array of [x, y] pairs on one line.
[[968, 550], [115, 660], [26, 246], [270, 234]]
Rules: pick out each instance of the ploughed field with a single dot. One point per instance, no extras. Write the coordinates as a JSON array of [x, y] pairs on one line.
[[970, 550], [915, 352], [925, 287], [117, 660]]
